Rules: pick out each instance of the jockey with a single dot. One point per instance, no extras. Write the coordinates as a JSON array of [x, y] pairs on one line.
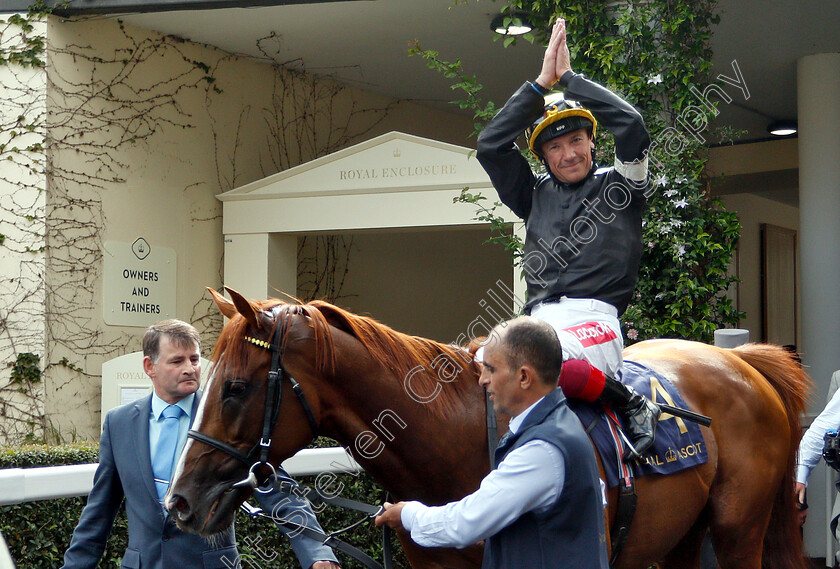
[[583, 223]]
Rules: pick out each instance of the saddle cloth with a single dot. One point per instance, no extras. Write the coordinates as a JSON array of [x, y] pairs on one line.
[[678, 445]]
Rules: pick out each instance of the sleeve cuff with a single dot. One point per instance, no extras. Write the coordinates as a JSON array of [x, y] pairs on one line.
[[802, 474], [541, 91], [567, 76], [409, 512], [635, 171]]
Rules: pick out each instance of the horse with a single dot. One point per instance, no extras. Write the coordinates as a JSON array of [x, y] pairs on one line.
[[411, 412]]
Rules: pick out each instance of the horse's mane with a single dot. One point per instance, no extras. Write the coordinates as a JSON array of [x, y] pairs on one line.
[[400, 353]]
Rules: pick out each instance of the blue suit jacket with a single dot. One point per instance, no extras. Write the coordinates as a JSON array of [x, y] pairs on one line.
[[154, 542]]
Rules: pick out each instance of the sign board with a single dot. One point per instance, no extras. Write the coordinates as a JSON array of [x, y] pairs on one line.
[[124, 381], [393, 162], [138, 284]]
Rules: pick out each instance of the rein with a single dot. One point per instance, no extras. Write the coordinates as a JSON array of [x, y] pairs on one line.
[[273, 399], [331, 539]]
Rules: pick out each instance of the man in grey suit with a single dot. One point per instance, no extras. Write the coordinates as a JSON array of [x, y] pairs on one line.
[[128, 454]]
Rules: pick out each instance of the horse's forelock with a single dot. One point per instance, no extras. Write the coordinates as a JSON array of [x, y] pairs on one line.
[[230, 350], [231, 347]]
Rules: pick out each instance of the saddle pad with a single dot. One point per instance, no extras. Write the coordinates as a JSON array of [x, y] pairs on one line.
[[678, 445]]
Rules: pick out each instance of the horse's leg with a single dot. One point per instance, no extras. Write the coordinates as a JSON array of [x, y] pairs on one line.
[[738, 530], [742, 498], [739, 548], [741, 501], [686, 555], [668, 510]]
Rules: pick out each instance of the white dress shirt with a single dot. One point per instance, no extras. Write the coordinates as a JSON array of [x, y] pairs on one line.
[[530, 478], [813, 441]]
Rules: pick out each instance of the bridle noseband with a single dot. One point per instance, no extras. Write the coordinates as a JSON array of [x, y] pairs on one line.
[[273, 399]]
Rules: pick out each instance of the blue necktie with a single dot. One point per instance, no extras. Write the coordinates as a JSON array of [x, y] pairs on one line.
[[166, 446]]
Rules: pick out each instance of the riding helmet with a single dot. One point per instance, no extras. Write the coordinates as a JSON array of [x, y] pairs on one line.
[[561, 116]]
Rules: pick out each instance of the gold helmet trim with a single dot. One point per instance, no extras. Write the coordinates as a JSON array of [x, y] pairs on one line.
[[551, 117]]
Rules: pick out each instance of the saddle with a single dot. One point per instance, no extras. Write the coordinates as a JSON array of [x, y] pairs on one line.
[[679, 442], [678, 445]]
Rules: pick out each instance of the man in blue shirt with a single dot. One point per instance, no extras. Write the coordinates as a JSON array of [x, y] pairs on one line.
[[533, 509], [134, 466]]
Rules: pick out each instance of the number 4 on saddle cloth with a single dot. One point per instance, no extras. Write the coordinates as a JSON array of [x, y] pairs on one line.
[[678, 445]]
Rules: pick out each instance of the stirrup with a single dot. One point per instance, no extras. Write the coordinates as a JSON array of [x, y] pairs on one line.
[[642, 416], [630, 452]]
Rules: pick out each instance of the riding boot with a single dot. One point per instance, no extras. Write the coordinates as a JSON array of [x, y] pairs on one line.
[[640, 415]]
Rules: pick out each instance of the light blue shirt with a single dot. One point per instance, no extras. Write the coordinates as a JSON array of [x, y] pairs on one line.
[[813, 441], [156, 422], [530, 478]]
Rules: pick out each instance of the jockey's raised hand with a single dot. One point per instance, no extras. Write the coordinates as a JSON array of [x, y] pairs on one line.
[[557, 59]]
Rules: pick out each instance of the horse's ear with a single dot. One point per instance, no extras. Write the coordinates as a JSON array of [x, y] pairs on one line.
[[474, 344], [226, 307], [245, 308]]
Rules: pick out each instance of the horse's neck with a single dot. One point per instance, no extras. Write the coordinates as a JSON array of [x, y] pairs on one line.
[[415, 450]]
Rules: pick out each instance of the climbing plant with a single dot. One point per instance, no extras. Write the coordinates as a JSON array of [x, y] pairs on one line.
[[656, 54], [22, 208], [72, 118]]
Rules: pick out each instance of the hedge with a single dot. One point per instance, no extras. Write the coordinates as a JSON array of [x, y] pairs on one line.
[[38, 532]]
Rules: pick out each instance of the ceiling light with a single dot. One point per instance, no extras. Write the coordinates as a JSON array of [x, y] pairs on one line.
[[513, 23], [782, 128]]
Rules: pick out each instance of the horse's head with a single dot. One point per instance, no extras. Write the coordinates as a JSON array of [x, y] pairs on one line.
[[249, 417]]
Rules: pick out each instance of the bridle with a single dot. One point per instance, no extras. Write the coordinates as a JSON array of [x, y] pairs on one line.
[[273, 399]]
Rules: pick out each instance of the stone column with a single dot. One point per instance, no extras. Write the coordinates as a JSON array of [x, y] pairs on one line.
[[261, 265], [818, 84], [819, 213]]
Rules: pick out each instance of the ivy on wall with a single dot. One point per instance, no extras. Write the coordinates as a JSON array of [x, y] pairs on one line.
[[25, 370], [72, 112], [656, 54], [22, 228]]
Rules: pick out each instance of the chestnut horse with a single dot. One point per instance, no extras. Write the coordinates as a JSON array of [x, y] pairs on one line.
[[411, 412]]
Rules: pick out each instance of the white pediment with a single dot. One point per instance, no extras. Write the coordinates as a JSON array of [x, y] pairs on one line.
[[393, 162]]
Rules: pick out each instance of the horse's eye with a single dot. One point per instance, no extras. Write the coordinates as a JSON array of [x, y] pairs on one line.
[[235, 387]]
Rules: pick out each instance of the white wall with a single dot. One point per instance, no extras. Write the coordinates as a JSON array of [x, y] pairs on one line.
[[22, 225], [427, 283], [752, 211]]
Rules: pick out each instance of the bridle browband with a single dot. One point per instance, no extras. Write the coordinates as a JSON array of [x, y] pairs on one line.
[[273, 399]]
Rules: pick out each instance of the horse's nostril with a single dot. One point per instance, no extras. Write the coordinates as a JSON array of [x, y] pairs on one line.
[[181, 507]]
